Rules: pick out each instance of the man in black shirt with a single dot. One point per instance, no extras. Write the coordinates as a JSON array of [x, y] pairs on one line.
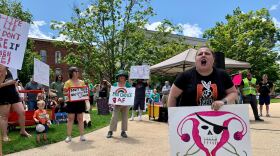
[[139, 100], [203, 85], [265, 90]]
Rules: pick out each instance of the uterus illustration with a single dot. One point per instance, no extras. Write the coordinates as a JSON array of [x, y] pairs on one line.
[[207, 135]]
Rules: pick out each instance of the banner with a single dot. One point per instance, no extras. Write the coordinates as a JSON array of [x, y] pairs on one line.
[[78, 94], [14, 73], [140, 72], [200, 131], [122, 96], [41, 72], [13, 38]]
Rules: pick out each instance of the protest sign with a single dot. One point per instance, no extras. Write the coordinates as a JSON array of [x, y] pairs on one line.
[[78, 94], [140, 72], [122, 96], [13, 38], [14, 73], [41, 72], [200, 131]]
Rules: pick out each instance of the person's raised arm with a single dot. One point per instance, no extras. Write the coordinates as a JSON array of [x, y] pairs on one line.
[[175, 92]]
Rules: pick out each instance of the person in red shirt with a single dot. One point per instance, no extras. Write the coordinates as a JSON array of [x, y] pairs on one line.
[[41, 117]]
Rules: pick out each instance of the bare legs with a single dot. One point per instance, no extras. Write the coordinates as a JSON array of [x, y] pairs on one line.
[[71, 117], [4, 112], [18, 108]]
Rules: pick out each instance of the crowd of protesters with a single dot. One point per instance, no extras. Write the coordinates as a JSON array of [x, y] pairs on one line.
[[56, 98]]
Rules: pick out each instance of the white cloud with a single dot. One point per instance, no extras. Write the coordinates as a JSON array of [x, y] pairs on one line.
[[35, 31], [274, 7], [153, 26], [276, 22], [191, 30], [187, 29]]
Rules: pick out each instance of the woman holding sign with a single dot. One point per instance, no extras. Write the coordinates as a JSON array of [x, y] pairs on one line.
[[122, 77], [74, 106]]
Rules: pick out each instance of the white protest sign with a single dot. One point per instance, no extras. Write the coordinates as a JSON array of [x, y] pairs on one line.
[[200, 131], [139, 72], [41, 72], [14, 73], [78, 94], [122, 96], [13, 38]]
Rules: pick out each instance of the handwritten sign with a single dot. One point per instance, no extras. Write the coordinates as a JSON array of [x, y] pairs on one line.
[[201, 131], [78, 94], [122, 96], [14, 73], [13, 38], [41, 72], [140, 72]]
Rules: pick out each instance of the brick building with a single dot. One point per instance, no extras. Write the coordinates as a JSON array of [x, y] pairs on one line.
[[51, 55]]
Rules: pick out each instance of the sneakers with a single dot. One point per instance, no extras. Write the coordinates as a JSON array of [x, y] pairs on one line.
[[140, 118], [131, 119], [68, 139], [261, 114], [123, 134], [109, 135], [267, 115], [82, 138]]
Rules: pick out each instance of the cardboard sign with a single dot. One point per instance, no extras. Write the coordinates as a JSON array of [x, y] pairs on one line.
[[14, 73], [201, 131], [13, 38], [41, 72], [140, 72], [122, 96], [78, 94], [237, 79]]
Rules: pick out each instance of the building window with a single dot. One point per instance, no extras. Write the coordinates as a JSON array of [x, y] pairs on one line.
[[43, 54], [58, 71], [57, 57]]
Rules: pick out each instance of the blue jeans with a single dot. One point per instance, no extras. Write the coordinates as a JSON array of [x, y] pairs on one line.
[[32, 105]]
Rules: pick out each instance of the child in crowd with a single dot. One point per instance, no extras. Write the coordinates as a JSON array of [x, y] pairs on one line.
[[41, 117]]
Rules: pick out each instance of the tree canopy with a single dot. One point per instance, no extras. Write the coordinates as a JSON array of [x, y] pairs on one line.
[[248, 37], [110, 35]]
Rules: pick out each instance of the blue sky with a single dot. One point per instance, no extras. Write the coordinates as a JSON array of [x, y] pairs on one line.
[[194, 16]]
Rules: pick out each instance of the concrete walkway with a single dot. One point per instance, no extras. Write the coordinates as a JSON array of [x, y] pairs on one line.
[[149, 138]]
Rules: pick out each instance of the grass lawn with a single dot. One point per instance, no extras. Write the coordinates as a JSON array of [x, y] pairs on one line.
[[275, 101], [56, 133]]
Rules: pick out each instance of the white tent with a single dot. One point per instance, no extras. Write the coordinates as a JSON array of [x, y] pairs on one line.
[[186, 60]]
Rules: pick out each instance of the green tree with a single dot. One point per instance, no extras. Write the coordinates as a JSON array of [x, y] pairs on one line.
[[248, 37], [14, 9], [109, 35]]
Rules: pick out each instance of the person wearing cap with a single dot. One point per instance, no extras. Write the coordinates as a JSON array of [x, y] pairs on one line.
[[249, 91], [122, 77], [165, 93], [203, 85]]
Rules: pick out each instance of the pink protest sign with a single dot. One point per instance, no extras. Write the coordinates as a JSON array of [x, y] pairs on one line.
[[237, 79], [201, 131], [13, 38]]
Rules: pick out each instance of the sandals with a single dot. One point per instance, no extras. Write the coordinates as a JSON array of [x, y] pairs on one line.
[[6, 139], [25, 135]]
